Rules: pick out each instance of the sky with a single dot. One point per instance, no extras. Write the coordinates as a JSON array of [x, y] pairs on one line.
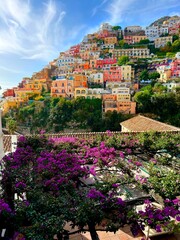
[[33, 32]]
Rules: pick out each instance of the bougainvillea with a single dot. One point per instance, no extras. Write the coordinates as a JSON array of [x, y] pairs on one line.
[[49, 182]]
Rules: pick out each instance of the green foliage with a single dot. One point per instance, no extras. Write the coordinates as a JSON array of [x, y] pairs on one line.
[[165, 183], [176, 45], [154, 75], [144, 75], [121, 43], [155, 100], [11, 125], [123, 60], [170, 54], [116, 28], [53, 78], [175, 37], [144, 41]]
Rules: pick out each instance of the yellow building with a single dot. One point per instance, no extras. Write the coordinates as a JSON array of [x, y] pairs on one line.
[[80, 92], [11, 103], [127, 73], [24, 93], [165, 74], [110, 40], [37, 84], [162, 41], [137, 39]]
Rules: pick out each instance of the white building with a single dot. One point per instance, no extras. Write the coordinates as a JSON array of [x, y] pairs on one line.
[[152, 32], [171, 86], [112, 85], [110, 46], [133, 28], [96, 77], [105, 26]]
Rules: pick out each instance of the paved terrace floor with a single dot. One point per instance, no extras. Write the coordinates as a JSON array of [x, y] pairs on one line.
[[124, 234]]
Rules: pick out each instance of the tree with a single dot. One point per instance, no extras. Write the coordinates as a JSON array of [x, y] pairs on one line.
[[144, 41], [11, 125], [144, 75], [123, 60], [53, 78], [154, 75], [176, 45], [116, 28], [175, 37], [121, 43], [143, 98]]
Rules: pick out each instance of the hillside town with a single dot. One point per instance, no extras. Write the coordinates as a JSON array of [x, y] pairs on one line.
[[105, 65]]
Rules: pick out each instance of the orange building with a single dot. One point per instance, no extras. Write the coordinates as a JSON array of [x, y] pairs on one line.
[[62, 88], [137, 39], [127, 107], [85, 65], [80, 80], [112, 102], [109, 102], [110, 40], [37, 84], [24, 93]]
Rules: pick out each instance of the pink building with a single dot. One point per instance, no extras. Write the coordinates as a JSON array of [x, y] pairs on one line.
[[106, 33], [107, 62], [175, 29], [112, 75], [175, 68], [74, 50], [128, 39]]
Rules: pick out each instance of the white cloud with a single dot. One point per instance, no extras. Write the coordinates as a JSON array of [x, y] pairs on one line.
[[6, 69], [116, 10], [94, 11], [122, 11], [30, 34]]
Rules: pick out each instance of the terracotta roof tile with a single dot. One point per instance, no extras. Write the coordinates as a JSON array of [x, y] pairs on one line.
[[143, 124]]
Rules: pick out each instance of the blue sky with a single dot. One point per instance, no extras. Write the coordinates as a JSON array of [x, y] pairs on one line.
[[33, 32]]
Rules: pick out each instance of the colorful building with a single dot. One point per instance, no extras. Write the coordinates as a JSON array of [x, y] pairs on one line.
[[96, 77], [62, 88], [112, 75], [175, 68], [110, 40], [162, 41], [80, 80], [127, 73], [105, 63], [131, 53]]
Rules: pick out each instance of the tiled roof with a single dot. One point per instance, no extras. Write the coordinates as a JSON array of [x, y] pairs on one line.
[[143, 124]]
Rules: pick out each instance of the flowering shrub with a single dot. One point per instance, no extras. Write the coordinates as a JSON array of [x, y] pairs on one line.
[[160, 219], [4, 207], [80, 181]]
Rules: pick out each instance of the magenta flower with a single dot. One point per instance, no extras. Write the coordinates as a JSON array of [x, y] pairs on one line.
[[94, 193], [121, 154], [92, 171]]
